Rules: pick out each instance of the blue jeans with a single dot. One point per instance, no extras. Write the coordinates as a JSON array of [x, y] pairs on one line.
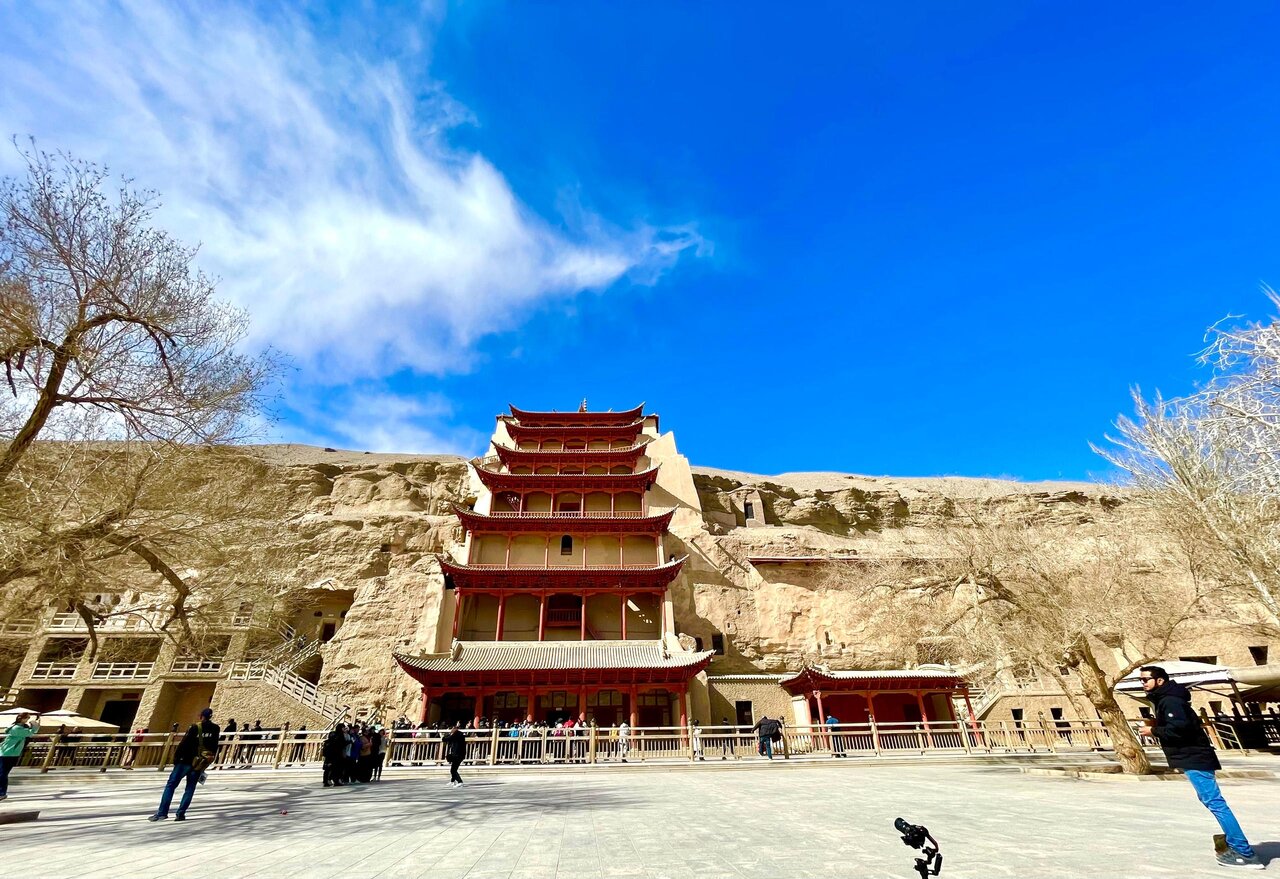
[[765, 748], [180, 771], [1206, 787]]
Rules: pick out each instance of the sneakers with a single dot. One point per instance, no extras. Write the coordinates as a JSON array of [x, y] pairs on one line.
[[157, 817], [179, 817], [1232, 858]]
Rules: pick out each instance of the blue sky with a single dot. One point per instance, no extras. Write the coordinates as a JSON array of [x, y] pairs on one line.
[[943, 239]]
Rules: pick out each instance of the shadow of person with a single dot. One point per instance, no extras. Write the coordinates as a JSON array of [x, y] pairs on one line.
[[1267, 851]]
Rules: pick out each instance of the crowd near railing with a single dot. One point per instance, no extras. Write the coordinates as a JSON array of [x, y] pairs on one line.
[[533, 746]]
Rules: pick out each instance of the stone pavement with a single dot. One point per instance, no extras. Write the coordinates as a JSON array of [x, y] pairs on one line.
[[819, 820]]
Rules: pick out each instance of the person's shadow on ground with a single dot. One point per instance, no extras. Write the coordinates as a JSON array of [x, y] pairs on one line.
[[1267, 851]]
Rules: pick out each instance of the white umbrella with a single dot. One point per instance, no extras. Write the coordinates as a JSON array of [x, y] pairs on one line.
[[1189, 674], [10, 715], [73, 721]]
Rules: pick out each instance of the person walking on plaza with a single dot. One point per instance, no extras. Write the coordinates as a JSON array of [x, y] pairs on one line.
[[197, 749], [15, 740], [624, 740], [767, 730], [455, 751], [837, 742], [1187, 748], [334, 753]]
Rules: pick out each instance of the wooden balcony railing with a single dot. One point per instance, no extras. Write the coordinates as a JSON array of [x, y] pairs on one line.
[[571, 514], [197, 667], [123, 671]]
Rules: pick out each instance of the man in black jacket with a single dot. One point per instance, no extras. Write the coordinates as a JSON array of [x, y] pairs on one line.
[[455, 751], [197, 748], [1187, 747], [766, 729]]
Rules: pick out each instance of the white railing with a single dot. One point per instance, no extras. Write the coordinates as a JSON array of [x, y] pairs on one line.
[[122, 671], [54, 671], [19, 627], [571, 514], [131, 622], [197, 666], [290, 684], [8, 696], [598, 745]]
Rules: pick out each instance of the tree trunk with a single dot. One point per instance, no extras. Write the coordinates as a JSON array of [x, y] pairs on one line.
[[1133, 760]]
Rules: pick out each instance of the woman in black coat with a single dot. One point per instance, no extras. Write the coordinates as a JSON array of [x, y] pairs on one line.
[[455, 751], [334, 753]]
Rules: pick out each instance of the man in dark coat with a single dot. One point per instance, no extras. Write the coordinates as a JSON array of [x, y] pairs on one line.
[[197, 748], [334, 753], [1187, 748], [767, 730], [455, 751]]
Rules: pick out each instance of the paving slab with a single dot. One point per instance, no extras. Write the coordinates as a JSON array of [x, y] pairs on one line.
[[819, 820]]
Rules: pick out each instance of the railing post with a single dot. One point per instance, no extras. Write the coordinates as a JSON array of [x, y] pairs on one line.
[[280, 748], [493, 745], [1008, 742], [49, 755], [591, 745], [167, 749], [106, 757], [1048, 736], [875, 735], [542, 755]]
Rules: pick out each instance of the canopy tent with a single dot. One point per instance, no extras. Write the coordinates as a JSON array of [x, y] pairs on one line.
[[50, 721], [1246, 684]]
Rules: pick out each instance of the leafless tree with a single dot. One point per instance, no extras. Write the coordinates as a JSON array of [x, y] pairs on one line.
[[1001, 594], [123, 386], [1209, 463]]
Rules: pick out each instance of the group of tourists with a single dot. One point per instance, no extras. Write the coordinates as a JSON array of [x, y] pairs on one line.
[[353, 753], [565, 740]]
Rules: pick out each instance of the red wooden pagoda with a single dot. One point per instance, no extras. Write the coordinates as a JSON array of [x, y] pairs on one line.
[[560, 607]]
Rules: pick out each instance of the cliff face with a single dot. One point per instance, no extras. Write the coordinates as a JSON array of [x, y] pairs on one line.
[[369, 526]]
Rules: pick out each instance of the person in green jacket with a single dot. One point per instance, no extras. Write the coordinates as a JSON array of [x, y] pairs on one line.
[[15, 739]]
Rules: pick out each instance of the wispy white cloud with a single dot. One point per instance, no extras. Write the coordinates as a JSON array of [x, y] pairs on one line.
[[318, 179]]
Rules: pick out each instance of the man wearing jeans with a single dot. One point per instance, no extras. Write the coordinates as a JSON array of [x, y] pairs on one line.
[[189, 761], [1187, 747]]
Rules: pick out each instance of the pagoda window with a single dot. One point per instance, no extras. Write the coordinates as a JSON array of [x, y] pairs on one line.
[[546, 470], [598, 444], [566, 545], [640, 551], [552, 445], [621, 468], [575, 445], [599, 502], [621, 444], [569, 503], [628, 502], [521, 469], [597, 470], [528, 446]]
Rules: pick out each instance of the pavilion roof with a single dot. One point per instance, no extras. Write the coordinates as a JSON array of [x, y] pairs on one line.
[[590, 522], [577, 418], [523, 432], [818, 678], [496, 480], [586, 457], [500, 577], [494, 663]]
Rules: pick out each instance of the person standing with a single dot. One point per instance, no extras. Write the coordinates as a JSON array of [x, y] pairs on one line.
[[455, 751], [837, 742], [15, 741], [1187, 748], [334, 752], [766, 728], [196, 751], [624, 740]]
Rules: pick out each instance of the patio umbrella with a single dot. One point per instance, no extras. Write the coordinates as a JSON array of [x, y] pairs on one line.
[[50, 722], [10, 715]]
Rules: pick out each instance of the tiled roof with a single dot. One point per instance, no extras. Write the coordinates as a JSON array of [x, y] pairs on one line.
[[888, 673], [552, 655]]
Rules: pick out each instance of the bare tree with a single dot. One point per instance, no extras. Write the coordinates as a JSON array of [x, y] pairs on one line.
[[124, 382], [1209, 464], [1002, 594]]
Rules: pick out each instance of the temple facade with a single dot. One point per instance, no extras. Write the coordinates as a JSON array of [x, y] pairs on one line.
[[560, 605]]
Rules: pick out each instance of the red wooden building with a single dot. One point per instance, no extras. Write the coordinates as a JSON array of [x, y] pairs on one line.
[[560, 608]]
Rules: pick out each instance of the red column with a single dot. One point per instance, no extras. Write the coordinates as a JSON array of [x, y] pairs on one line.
[[681, 693], [583, 620], [532, 696], [457, 611], [973, 718], [624, 617], [502, 608], [924, 718], [426, 706], [634, 694], [822, 714]]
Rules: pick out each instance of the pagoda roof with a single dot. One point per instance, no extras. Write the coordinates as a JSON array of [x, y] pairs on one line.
[[812, 678], [502, 577], [497, 480], [532, 418], [590, 522], [587, 457], [495, 663], [523, 432]]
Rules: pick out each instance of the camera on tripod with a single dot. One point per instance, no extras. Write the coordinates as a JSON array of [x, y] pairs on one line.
[[918, 836]]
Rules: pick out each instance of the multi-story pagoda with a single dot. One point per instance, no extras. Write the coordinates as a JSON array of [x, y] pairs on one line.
[[560, 605]]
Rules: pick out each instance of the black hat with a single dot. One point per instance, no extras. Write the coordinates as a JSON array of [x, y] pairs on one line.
[[206, 714]]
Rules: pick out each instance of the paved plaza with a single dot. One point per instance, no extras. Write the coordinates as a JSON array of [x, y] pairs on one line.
[[766, 822]]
